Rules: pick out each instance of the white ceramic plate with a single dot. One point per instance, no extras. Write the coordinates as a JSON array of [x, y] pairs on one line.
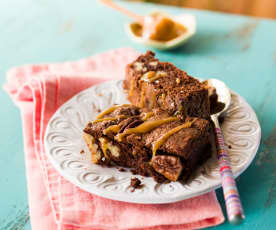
[[63, 143]]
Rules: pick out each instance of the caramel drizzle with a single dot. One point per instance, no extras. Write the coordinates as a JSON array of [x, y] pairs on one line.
[[131, 88], [142, 97], [156, 145], [145, 127], [178, 30], [112, 128], [146, 116], [152, 76], [163, 98], [110, 110], [110, 118], [104, 119]]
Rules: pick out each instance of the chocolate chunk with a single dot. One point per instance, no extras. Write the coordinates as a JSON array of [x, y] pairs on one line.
[[132, 124], [168, 166], [129, 123]]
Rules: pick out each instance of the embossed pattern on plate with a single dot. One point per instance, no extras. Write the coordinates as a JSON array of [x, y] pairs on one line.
[[63, 143]]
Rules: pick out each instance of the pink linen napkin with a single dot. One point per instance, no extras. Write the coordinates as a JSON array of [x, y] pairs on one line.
[[54, 203]]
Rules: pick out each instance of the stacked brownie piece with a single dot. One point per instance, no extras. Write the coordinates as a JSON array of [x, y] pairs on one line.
[[153, 84], [166, 131]]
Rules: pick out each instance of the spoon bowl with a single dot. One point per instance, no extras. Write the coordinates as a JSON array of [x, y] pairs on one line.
[[186, 20], [223, 92]]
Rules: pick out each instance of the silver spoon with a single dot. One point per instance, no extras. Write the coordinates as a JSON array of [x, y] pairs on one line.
[[231, 195]]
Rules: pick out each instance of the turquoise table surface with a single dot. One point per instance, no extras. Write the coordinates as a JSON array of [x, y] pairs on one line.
[[238, 50]]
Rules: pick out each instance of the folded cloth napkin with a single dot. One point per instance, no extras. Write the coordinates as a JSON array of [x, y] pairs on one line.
[[54, 203]]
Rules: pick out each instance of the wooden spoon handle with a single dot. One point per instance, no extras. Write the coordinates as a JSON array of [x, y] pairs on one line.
[[130, 14], [231, 195]]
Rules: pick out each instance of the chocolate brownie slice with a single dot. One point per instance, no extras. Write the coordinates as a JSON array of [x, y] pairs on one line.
[[150, 83], [152, 143], [99, 136]]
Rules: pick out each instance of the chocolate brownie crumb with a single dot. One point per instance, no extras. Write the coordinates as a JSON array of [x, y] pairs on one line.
[[133, 171], [121, 169], [82, 151], [135, 183]]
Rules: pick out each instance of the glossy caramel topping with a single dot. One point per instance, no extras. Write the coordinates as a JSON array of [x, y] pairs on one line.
[[163, 98], [131, 87], [164, 29], [158, 27], [148, 75], [104, 119], [110, 110], [145, 127], [112, 128], [142, 97], [156, 145], [152, 76], [137, 29], [110, 118], [146, 116]]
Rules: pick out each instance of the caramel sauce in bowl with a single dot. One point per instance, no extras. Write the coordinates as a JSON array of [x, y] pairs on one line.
[[172, 31]]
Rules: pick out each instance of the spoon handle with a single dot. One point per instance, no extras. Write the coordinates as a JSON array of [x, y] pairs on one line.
[[130, 14], [230, 191]]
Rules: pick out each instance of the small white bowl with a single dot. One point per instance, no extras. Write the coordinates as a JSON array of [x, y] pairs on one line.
[[187, 20]]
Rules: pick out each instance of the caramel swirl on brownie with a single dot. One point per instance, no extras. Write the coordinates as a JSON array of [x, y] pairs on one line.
[[151, 143]]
